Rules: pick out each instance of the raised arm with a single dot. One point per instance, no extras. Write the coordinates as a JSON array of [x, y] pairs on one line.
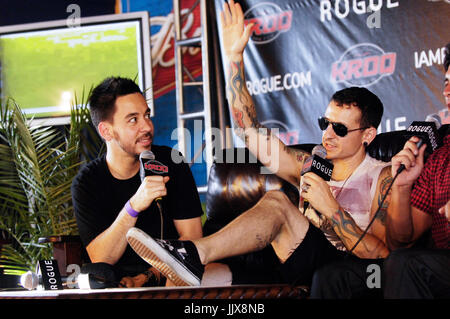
[[272, 152]]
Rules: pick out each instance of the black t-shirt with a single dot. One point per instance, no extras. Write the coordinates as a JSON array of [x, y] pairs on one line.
[[98, 198]]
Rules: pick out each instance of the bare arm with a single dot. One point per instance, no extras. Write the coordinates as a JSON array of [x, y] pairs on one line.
[[373, 244], [347, 230], [189, 229], [405, 224], [272, 152], [320, 197], [110, 245], [445, 211]]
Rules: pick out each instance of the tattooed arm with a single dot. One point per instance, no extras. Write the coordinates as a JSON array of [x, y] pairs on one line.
[[321, 198], [373, 244], [272, 152], [349, 233]]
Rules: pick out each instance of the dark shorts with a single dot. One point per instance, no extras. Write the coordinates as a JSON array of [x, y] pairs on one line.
[[314, 252], [263, 267]]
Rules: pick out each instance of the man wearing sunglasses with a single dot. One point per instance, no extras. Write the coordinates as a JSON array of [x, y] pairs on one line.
[[344, 205]]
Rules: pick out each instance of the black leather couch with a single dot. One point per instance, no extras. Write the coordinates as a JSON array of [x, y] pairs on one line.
[[235, 184]]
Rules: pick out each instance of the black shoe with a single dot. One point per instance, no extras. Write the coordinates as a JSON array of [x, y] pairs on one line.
[[175, 259]]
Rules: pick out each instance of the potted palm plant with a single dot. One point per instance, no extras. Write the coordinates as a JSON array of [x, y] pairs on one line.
[[37, 165]]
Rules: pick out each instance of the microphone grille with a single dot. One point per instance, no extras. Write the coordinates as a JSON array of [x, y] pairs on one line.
[[29, 280], [434, 118], [320, 151], [147, 155]]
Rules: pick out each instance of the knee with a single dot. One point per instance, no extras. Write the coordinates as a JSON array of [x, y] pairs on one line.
[[330, 274], [323, 276], [277, 200], [327, 282], [398, 258], [401, 261]]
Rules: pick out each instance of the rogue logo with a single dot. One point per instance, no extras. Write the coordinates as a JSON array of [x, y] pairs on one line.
[[363, 65], [269, 21], [156, 167]]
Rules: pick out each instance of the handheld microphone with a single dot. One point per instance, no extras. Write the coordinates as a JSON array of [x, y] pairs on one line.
[[149, 166], [47, 277], [31, 281], [402, 166], [144, 157], [317, 164], [426, 131]]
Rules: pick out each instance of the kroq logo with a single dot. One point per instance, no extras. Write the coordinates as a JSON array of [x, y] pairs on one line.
[[363, 65], [156, 167], [269, 21]]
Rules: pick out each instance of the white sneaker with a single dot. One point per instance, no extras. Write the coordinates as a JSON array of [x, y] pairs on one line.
[[177, 260]]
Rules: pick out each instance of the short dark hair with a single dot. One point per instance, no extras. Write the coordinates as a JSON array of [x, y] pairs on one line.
[[447, 57], [369, 104], [103, 97]]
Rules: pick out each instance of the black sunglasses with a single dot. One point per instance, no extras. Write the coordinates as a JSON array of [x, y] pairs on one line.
[[340, 129]]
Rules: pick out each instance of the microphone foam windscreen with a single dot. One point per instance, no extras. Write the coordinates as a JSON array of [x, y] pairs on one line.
[[147, 155], [29, 280], [320, 151]]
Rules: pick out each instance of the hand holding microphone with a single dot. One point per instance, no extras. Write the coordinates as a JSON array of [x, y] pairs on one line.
[[423, 137], [411, 159], [154, 176], [153, 188], [312, 185]]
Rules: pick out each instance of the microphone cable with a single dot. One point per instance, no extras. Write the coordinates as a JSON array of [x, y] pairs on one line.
[[399, 170], [158, 203]]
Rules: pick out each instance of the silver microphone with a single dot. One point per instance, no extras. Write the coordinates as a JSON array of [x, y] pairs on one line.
[[143, 157]]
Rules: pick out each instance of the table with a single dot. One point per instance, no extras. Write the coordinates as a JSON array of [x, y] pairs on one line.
[[225, 292]]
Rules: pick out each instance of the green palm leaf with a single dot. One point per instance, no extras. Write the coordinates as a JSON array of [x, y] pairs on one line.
[[37, 165]]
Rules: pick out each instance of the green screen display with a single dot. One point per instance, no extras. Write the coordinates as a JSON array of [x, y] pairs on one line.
[[43, 70]]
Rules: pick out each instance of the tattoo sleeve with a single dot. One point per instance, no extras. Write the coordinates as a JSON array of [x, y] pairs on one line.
[[345, 227], [349, 232], [383, 205], [263, 142], [240, 101]]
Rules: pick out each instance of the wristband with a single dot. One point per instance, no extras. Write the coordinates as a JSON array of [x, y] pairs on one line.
[[130, 210]]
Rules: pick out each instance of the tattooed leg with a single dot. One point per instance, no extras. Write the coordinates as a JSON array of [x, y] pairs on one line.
[[273, 220]]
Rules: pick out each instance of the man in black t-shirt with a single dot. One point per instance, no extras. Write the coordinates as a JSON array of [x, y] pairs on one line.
[[108, 195]]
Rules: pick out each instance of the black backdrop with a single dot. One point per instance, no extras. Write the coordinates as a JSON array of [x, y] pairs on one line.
[[302, 51]]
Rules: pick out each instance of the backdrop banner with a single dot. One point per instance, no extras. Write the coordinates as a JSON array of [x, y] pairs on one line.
[[302, 51]]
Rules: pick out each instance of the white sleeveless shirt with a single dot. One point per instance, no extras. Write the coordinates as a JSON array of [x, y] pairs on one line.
[[354, 195]]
